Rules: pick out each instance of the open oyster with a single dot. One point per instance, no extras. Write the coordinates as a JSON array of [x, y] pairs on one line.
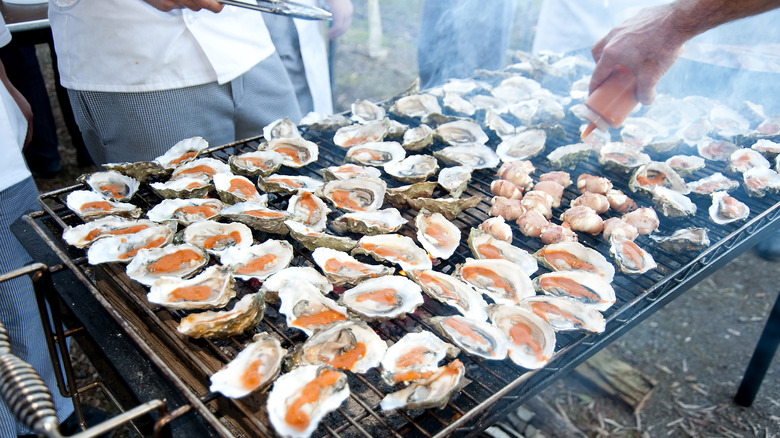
[[726, 209], [687, 239], [138, 170], [356, 194], [308, 210], [247, 313], [296, 151], [172, 260], [236, 188], [370, 223], [184, 187], [347, 171], [346, 345], [311, 238], [185, 211], [685, 165], [497, 124], [485, 246], [293, 274], [436, 234], [280, 128], [460, 132], [301, 398], [112, 185], [253, 369], [124, 247], [760, 180], [531, 339], [657, 174], [258, 261], [435, 391], [307, 309], [564, 314], [324, 122], [417, 138], [400, 196], [499, 279], [256, 163], [376, 153], [522, 146], [414, 168], [353, 135], [210, 289], [258, 217], [90, 206], [449, 207], [182, 152], [474, 155], [383, 298], [630, 258], [452, 291], [590, 289], [672, 203], [416, 105], [457, 104], [455, 179], [288, 184], [364, 111], [415, 356], [200, 168], [216, 237], [745, 159], [621, 157], [715, 150], [84, 235], [713, 183], [474, 337], [569, 155], [568, 256], [342, 269], [394, 248]]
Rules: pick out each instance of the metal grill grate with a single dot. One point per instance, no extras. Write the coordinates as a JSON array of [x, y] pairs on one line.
[[491, 387]]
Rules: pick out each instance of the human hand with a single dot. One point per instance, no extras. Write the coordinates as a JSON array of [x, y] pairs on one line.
[[342, 17], [195, 5], [647, 43]]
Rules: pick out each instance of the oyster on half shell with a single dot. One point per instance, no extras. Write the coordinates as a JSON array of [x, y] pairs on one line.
[[485, 246], [256, 163], [124, 247], [414, 168], [383, 298], [356, 194], [415, 356], [172, 260], [568, 256], [394, 248], [460, 132], [455, 179], [216, 237], [210, 289], [353, 135], [435, 391], [436, 234], [499, 279], [342, 269], [346, 345], [370, 223], [258, 261], [258, 217], [312, 239], [182, 152], [376, 153], [246, 314], [522, 146], [112, 185], [253, 369], [307, 309], [479, 338], [565, 314], [295, 151], [588, 288], [185, 211], [236, 188], [90, 206], [81, 236], [309, 210], [452, 291], [531, 339]]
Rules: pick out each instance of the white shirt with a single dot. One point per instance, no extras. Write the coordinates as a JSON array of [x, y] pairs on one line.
[[13, 129], [129, 46]]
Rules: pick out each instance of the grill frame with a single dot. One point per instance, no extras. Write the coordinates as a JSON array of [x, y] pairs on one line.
[[475, 408]]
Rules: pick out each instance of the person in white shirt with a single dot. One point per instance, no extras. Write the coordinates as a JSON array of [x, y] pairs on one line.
[[18, 194], [142, 75]]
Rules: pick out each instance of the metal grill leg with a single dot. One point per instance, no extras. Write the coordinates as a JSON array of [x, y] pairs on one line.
[[762, 357]]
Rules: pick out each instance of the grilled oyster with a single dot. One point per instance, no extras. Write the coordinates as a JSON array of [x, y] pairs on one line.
[[657, 174], [364, 111], [353, 135], [296, 151], [415, 356], [685, 165], [253, 369], [324, 122], [185, 211], [383, 298], [449, 207], [567, 256], [400, 196], [414, 168], [139, 170], [216, 238], [474, 337], [588, 288], [531, 339], [90, 206], [417, 138], [346, 345], [280, 128], [342, 269], [124, 247], [83, 235], [565, 314], [621, 157], [172, 260], [760, 180], [416, 105], [497, 124], [642, 131], [307, 309], [476, 156], [309, 210], [459, 133], [457, 104], [210, 289], [376, 153], [184, 187], [742, 160], [200, 168], [715, 150], [436, 234], [522, 146], [394, 248], [311, 238], [256, 163], [452, 291], [672, 203], [112, 185], [236, 188], [485, 246], [728, 122], [258, 217], [288, 184], [293, 274], [630, 258], [370, 222], [246, 314], [455, 179], [347, 171], [726, 209], [258, 261], [435, 391], [293, 411], [498, 279], [182, 152], [687, 239], [568, 156], [356, 194]]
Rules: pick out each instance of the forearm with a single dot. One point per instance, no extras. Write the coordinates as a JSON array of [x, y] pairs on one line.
[[693, 17]]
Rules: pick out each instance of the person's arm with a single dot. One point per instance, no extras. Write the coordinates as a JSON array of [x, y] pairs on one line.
[[20, 101], [195, 5], [342, 17], [650, 42]]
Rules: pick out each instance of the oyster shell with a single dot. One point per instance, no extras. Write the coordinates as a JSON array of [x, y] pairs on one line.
[[256, 163], [497, 124], [588, 288], [89, 205], [485, 246], [672, 203], [449, 207], [742, 160], [173, 260], [356, 194], [568, 156], [139, 170], [760, 180], [630, 258], [258, 261], [182, 152], [394, 248], [185, 211], [415, 356], [436, 234], [685, 165], [713, 183], [642, 131], [435, 391], [353, 135], [370, 223], [621, 157], [499, 279], [726, 209], [460, 132], [476, 156], [400, 196], [288, 184], [347, 171], [565, 314], [311, 238], [184, 187], [112, 185], [656, 174], [309, 210], [531, 339], [296, 151], [293, 274], [253, 369], [567, 256], [215, 237], [474, 337], [455, 179], [383, 298], [364, 111], [124, 247], [307, 309], [83, 235], [457, 104], [414, 168], [280, 128], [416, 105], [324, 122], [452, 291], [258, 217], [342, 269], [247, 313], [345, 345], [211, 289], [200, 168], [376, 153], [715, 150], [287, 400], [687, 239], [522, 146], [417, 138], [236, 188]]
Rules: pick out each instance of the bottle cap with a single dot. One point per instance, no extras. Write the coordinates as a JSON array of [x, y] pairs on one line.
[[596, 121]]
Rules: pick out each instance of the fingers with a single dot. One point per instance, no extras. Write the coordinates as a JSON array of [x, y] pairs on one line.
[[342, 17]]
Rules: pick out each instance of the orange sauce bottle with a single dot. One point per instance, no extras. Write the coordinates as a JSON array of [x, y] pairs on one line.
[[612, 101]]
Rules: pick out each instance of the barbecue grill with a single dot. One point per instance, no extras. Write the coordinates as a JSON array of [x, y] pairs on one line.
[[491, 388]]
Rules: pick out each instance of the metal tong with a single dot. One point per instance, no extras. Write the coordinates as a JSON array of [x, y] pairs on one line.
[[279, 7]]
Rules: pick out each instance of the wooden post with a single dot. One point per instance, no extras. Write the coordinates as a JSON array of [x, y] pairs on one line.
[[375, 49]]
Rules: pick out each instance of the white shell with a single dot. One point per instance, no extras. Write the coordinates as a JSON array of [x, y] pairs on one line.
[[499, 279], [761, 180], [533, 350], [474, 155], [522, 146], [416, 105], [356, 194], [236, 188], [726, 209], [353, 135], [216, 237], [326, 345], [432, 392], [309, 210], [288, 184], [256, 163], [590, 289], [713, 183], [376, 153], [242, 260], [277, 281], [452, 291], [200, 168], [90, 205], [341, 268], [349, 170], [672, 203], [475, 337], [567, 256], [413, 356], [417, 138], [460, 132], [579, 317], [302, 302], [167, 291], [629, 257], [394, 248], [112, 185], [183, 187], [296, 151], [185, 211], [182, 152], [124, 247], [281, 128], [744, 159], [84, 235], [244, 315], [436, 234], [364, 111], [485, 246], [363, 300], [144, 267], [261, 359], [455, 179], [384, 221], [414, 168]]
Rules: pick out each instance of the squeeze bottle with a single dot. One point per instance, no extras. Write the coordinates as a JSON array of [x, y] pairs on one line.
[[612, 101]]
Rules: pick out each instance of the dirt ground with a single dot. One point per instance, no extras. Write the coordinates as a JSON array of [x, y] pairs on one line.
[[696, 349]]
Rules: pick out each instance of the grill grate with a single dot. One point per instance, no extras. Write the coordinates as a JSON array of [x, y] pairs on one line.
[[491, 387]]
